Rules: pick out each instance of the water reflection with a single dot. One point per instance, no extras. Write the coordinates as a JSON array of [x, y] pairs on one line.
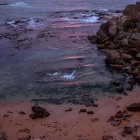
[[52, 60]]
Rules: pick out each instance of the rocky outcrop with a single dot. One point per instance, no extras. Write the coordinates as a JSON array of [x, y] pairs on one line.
[[119, 38]]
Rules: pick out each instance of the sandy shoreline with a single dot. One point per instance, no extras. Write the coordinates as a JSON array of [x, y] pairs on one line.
[[61, 125]]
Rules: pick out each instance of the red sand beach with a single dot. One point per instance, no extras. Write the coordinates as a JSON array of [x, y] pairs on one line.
[[72, 125]]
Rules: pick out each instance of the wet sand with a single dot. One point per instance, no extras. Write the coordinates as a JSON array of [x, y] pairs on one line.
[[61, 125]]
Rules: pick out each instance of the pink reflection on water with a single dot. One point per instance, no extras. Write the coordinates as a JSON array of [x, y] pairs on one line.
[[88, 65], [72, 83], [73, 57], [71, 25]]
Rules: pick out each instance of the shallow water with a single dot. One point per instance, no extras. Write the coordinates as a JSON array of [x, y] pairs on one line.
[[45, 54]]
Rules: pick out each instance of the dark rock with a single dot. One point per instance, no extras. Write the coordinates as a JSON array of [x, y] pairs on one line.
[[134, 107], [21, 113], [5, 115], [82, 110], [119, 89], [119, 117], [129, 24], [124, 41], [116, 122], [117, 67], [9, 112], [129, 87], [116, 83], [119, 114], [25, 138], [113, 57], [94, 105], [90, 112], [127, 57], [107, 137], [138, 56], [136, 137], [3, 135], [92, 39], [39, 112], [26, 130], [128, 130], [68, 110], [137, 78], [126, 94], [132, 11]]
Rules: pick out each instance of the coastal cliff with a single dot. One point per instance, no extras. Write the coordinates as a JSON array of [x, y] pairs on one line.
[[119, 38]]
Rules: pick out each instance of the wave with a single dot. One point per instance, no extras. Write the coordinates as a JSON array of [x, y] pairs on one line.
[[20, 5]]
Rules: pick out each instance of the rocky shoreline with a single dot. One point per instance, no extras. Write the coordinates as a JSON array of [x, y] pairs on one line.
[[119, 39]]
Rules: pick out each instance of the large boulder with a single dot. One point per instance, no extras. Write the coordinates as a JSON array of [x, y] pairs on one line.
[[134, 107], [113, 57], [133, 11], [135, 41], [39, 112]]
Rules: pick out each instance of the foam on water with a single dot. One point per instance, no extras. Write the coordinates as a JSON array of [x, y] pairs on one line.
[[103, 10], [69, 76], [34, 24], [54, 74], [31, 24], [12, 23], [65, 76], [92, 19], [20, 5]]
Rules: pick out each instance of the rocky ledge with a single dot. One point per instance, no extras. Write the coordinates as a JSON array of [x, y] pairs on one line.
[[119, 38]]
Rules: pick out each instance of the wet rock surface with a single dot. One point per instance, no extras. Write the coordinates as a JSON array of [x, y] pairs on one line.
[[119, 38], [39, 112]]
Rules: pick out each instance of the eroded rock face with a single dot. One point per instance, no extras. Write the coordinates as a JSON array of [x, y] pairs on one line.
[[119, 38]]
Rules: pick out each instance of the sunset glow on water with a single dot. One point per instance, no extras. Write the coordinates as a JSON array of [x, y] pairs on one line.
[[45, 52]]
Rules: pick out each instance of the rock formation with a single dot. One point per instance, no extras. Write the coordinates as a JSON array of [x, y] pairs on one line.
[[119, 38]]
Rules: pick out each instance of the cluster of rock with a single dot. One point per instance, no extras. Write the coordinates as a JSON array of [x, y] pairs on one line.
[[119, 38], [120, 116]]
